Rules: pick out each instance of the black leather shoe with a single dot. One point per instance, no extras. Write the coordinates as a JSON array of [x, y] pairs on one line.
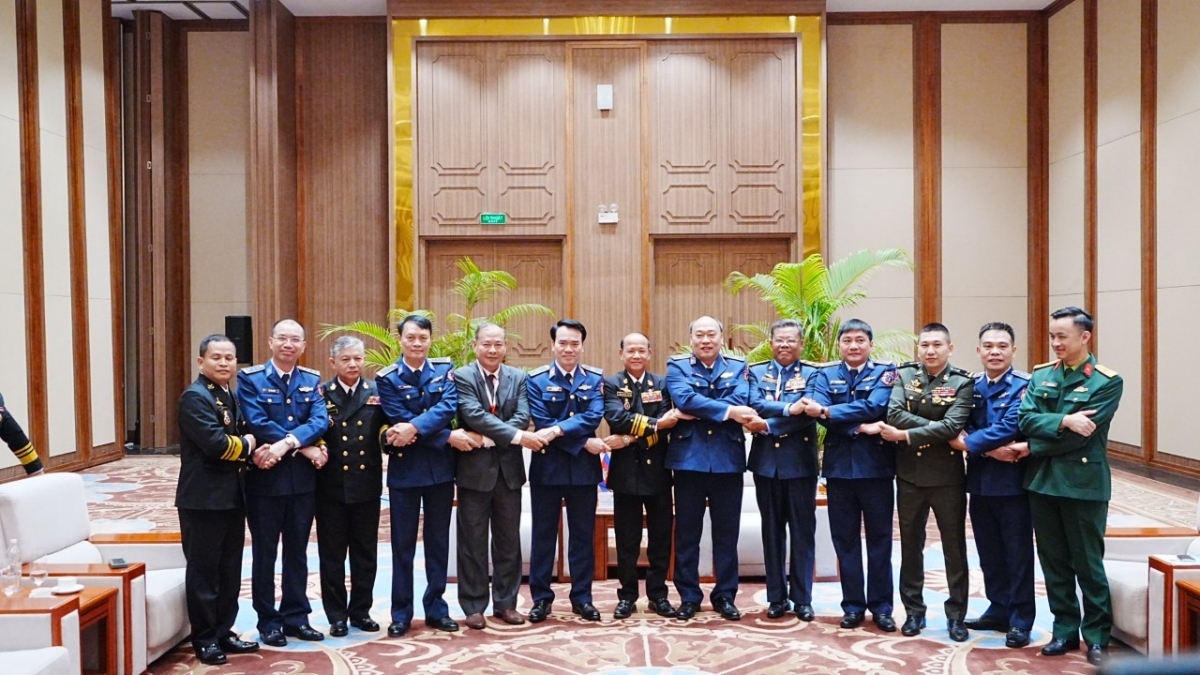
[[726, 609], [273, 638], [540, 611], [1016, 638], [339, 629], [913, 625], [776, 610], [232, 645], [983, 623], [365, 623], [444, 624], [884, 622], [397, 629], [956, 629], [305, 632], [686, 611], [1060, 646], [211, 655], [624, 609], [851, 620], [805, 612], [662, 607], [587, 610], [1097, 654]]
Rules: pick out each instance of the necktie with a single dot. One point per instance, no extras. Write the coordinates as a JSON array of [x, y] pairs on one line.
[[571, 379], [491, 383], [412, 377], [287, 381]]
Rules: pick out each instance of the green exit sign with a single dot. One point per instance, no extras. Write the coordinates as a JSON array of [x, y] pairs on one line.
[[492, 219]]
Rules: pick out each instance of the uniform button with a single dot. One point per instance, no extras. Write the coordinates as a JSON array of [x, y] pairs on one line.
[[399, 454], [345, 453], [360, 423], [572, 397], [343, 423], [407, 397], [647, 461], [710, 432], [1084, 460], [291, 419], [361, 453], [362, 467], [360, 438], [777, 445], [288, 401], [344, 438], [572, 414], [345, 468], [712, 386], [918, 453]]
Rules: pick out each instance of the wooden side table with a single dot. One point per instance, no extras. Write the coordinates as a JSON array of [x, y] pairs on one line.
[[97, 607], [1166, 573], [1189, 614]]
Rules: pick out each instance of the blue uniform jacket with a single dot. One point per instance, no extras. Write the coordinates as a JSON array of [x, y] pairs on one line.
[[430, 406], [789, 447], [993, 423], [849, 454], [576, 409], [707, 444], [273, 411]]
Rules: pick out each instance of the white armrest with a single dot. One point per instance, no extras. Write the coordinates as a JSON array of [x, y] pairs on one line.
[[1139, 549], [159, 551]]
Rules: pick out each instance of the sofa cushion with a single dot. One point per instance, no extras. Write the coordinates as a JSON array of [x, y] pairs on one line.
[[44, 513], [1128, 582], [166, 607], [45, 661], [83, 553]]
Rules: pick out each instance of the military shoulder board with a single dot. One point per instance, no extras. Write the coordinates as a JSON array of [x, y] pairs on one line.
[[387, 371], [254, 369], [309, 370], [593, 369], [539, 370]]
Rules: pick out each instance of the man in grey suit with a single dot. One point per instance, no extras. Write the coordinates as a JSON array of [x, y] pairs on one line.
[[493, 411]]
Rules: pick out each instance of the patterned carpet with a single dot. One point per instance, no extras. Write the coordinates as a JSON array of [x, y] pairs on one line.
[[136, 494]]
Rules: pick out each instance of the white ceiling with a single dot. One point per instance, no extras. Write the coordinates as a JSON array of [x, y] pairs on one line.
[[238, 9]]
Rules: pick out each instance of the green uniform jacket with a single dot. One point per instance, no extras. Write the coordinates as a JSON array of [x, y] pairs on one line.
[[1063, 463], [933, 410]]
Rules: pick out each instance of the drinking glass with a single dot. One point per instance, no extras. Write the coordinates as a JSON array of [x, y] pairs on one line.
[[10, 578], [37, 573]]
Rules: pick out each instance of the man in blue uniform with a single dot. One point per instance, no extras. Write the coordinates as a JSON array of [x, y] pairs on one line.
[[999, 506], [708, 455], [566, 401], [419, 400], [284, 410], [850, 397], [783, 459]]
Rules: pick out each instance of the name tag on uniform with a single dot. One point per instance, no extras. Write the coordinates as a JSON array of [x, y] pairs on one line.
[[651, 396], [266, 390], [554, 388], [625, 392], [1050, 384], [1081, 390]]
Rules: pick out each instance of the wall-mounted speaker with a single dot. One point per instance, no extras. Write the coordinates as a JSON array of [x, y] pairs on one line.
[[240, 330]]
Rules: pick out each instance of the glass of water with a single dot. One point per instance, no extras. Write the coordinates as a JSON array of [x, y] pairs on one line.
[[37, 573], [10, 578]]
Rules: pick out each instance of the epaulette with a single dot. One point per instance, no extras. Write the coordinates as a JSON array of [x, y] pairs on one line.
[[827, 364], [387, 371], [593, 369], [254, 369], [441, 359], [1045, 365], [910, 364], [539, 370], [681, 357], [735, 357], [1106, 371], [878, 363], [1021, 375], [812, 364], [959, 371], [310, 370], [758, 363]]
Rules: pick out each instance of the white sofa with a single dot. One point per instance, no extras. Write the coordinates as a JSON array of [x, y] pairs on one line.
[[44, 661], [48, 515], [28, 645]]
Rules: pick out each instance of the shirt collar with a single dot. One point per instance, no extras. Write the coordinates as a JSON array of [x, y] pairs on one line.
[[562, 372]]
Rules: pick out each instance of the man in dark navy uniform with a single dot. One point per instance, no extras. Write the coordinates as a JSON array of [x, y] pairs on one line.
[[783, 459], [213, 449], [850, 397], [420, 401], [284, 410], [708, 455], [566, 401], [14, 437], [999, 506], [348, 490], [639, 413]]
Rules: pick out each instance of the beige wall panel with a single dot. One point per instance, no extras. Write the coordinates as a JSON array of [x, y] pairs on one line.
[[60, 375], [984, 221], [1178, 201], [1119, 68], [452, 142], [1066, 226], [99, 284], [1066, 82], [607, 160], [873, 208], [91, 47], [1120, 337], [100, 348], [964, 316], [1178, 58], [884, 313], [9, 92], [762, 137], [218, 260], [218, 108], [870, 112], [1118, 226], [52, 82], [56, 234], [1176, 318], [686, 91], [12, 258], [983, 95], [528, 180]]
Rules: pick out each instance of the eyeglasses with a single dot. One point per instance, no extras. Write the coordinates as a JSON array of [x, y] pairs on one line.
[[288, 339], [790, 342]]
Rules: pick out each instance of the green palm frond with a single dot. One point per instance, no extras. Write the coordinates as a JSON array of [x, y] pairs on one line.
[[506, 315]]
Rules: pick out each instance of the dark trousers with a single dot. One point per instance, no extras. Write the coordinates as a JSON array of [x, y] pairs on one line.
[[288, 518], [721, 494], [949, 505], [1003, 531], [789, 515], [406, 511], [627, 525], [546, 502], [1070, 546], [347, 528], [501, 508], [212, 545], [858, 506]]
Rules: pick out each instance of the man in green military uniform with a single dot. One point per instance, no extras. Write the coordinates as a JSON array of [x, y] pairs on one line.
[[1066, 413], [930, 405]]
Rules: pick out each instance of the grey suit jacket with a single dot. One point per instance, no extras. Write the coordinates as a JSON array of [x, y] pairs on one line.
[[479, 469]]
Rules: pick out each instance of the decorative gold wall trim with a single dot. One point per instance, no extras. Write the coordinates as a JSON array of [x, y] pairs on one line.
[[405, 33]]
